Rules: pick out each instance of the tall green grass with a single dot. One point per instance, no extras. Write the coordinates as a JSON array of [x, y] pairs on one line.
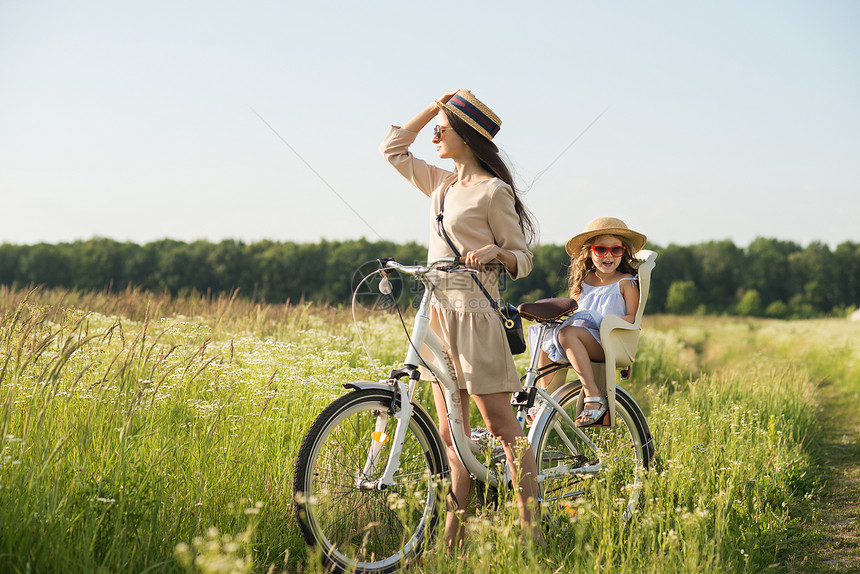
[[143, 432], [125, 436]]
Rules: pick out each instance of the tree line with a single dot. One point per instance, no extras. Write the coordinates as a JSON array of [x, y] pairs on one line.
[[772, 278]]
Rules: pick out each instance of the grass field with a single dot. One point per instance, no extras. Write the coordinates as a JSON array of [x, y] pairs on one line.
[[143, 433]]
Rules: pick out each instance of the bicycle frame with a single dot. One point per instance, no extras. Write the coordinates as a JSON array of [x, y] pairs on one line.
[[350, 458], [465, 448]]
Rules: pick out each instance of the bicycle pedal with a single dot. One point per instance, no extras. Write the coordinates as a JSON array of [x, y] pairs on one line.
[[580, 461], [482, 436], [524, 398]]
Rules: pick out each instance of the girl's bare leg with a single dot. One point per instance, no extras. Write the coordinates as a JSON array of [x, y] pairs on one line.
[[461, 480], [543, 360], [503, 424], [581, 348]]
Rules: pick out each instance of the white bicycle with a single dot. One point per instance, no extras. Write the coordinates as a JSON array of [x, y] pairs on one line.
[[370, 474]]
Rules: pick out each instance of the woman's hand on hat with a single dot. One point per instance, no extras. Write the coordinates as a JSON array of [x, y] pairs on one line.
[[447, 96]]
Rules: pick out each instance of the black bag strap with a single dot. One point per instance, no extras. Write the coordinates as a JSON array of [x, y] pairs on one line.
[[440, 229]]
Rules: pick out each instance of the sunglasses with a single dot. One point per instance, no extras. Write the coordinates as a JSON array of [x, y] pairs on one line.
[[437, 131], [603, 251]]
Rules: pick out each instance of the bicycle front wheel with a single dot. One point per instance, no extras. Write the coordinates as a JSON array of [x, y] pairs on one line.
[[340, 510], [602, 465]]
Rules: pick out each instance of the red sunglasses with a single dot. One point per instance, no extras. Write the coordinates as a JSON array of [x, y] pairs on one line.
[[603, 250]]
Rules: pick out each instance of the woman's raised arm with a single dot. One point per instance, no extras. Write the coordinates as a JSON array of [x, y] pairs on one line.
[[426, 116]]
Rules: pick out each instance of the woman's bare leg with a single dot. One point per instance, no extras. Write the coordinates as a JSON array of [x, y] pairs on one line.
[[503, 424]]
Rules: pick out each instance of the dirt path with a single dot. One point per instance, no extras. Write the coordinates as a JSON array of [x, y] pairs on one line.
[[835, 532]]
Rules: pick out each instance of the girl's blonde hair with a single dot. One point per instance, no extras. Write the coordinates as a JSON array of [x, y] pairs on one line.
[[581, 264]]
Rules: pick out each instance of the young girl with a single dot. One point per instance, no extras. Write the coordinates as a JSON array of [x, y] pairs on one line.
[[487, 222], [601, 279]]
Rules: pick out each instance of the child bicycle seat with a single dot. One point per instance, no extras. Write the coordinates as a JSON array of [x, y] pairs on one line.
[[619, 338]]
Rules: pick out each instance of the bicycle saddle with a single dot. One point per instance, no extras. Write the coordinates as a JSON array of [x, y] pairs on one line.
[[546, 310]]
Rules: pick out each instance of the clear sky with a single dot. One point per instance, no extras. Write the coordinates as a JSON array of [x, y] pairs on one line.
[[140, 120]]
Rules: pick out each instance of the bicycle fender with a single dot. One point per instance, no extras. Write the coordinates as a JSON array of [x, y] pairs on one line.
[[361, 385], [565, 389]]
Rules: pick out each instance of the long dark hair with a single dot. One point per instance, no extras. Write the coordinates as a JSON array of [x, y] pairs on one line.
[[489, 158]]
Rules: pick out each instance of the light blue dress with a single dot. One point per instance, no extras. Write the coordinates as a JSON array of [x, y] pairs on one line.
[[595, 302]]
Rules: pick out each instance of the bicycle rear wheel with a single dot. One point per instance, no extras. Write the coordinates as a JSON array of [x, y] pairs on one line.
[[358, 527], [613, 458]]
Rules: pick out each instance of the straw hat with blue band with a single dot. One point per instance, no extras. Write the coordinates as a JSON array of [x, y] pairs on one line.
[[473, 111]]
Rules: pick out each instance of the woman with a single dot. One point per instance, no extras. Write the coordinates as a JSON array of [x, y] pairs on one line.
[[487, 223]]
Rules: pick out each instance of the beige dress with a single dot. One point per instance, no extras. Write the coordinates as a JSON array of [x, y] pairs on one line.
[[475, 216]]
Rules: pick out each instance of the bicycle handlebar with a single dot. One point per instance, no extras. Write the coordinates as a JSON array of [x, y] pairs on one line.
[[453, 264]]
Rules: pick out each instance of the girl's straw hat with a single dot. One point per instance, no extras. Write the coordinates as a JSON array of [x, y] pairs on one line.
[[606, 226], [473, 111]]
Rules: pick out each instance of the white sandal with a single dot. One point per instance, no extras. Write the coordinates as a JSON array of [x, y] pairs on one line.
[[592, 416]]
